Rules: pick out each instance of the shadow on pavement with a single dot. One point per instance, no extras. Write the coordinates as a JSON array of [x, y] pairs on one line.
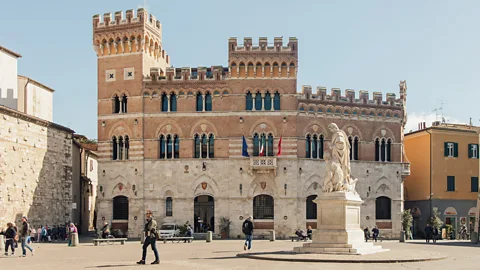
[[443, 243], [112, 265]]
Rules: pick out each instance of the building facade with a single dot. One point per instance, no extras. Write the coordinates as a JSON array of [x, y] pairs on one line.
[[35, 98], [8, 78], [444, 175], [170, 139]]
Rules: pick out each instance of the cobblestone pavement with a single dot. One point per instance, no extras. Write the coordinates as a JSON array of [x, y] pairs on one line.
[[222, 255]]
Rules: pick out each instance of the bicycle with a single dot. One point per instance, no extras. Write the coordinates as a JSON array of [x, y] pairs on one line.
[[109, 236]]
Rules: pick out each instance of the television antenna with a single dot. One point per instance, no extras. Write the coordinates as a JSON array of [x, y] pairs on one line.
[[439, 112]]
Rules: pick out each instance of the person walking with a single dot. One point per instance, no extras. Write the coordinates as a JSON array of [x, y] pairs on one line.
[[10, 234], [25, 237], [428, 233], [105, 230], [375, 233], [247, 229], [435, 234], [150, 238]]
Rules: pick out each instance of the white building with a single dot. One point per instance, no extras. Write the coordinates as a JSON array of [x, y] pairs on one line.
[[8, 78]]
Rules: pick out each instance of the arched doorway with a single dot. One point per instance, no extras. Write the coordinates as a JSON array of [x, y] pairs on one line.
[[120, 216], [204, 214]]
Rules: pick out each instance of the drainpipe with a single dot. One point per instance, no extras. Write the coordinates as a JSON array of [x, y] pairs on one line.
[[430, 171], [25, 100]]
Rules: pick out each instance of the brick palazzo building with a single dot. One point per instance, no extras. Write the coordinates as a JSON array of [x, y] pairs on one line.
[[170, 139]]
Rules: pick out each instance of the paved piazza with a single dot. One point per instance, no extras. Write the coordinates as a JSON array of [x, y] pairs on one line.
[[222, 255]]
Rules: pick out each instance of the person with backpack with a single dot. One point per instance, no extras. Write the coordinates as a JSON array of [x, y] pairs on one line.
[[247, 229], [10, 235], [151, 235], [25, 235]]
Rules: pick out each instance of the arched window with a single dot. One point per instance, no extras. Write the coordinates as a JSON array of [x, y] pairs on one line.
[[383, 150], [249, 101], [268, 101], [120, 208], [258, 101], [197, 146], [315, 146], [204, 146], [320, 146], [383, 208], [127, 146], [124, 103], [350, 142], [162, 147], [377, 149], [256, 145], [199, 102], [116, 104], [270, 145], [114, 148], [308, 147], [276, 101], [311, 207], [389, 150], [176, 143], [267, 70], [355, 148], [120, 148], [242, 69], [164, 102], [173, 102], [258, 72], [263, 144], [211, 146], [208, 102], [169, 207], [263, 207], [169, 146]]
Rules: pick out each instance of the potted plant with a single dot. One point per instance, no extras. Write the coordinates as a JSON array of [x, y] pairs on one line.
[[406, 225], [225, 227]]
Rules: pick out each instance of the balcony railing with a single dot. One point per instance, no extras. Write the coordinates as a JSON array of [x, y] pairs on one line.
[[405, 169], [263, 163]]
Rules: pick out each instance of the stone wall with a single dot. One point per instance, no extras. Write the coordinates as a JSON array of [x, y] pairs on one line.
[[35, 169], [155, 180]]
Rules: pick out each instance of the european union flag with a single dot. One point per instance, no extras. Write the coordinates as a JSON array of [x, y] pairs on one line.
[[244, 148]]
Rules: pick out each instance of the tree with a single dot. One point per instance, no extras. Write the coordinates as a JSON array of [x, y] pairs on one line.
[[407, 220], [435, 220]]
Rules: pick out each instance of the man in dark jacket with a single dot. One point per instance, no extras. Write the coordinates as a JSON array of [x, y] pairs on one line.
[[25, 235], [428, 233], [375, 233], [247, 229], [150, 238], [435, 234]]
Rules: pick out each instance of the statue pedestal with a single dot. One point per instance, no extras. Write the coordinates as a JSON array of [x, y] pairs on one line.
[[338, 227]]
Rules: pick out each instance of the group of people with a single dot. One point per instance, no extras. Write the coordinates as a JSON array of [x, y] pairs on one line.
[[302, 235], [375, 233], [14, 234], [431, 233], [47, 234]]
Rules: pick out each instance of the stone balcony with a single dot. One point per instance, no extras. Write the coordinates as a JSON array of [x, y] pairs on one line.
[[405, 169], [263, 164]]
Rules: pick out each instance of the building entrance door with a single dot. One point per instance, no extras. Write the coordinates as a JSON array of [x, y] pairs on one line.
[[452, 221], [204, 214]]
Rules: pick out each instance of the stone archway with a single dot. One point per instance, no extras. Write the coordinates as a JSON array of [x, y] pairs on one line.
[[204, 213]]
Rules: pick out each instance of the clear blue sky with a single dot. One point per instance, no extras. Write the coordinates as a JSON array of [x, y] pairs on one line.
[[371, 45]]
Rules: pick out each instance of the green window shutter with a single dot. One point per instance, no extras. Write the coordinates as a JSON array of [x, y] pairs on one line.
[[450, 183], [446, 149], [455, 149], [474, 184], [470, 154], [478, 150]]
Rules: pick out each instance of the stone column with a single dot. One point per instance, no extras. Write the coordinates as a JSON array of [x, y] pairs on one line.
[[168, 102], [203, 102], [108, 48], [254, 95], [263, 102]]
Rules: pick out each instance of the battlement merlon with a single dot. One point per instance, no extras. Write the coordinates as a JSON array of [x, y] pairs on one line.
[[142, 18], [188, 74], [278, 46], [350, 96]]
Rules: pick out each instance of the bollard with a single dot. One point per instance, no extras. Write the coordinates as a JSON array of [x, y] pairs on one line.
[[474, 238], [74, 240], [402, 236], [209, 236], [272, 235], [2, 242]]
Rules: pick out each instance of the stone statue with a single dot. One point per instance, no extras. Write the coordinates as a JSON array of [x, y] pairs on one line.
[[337, 160]]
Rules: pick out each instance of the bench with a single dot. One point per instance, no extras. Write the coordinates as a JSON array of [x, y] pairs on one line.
[[380, 237], [97, 242], [296, 238], [178, 239]]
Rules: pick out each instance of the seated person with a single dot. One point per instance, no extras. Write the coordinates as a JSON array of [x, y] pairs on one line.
[[309, 232]]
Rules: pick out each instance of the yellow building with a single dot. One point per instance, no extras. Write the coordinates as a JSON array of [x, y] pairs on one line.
[[444, 162]]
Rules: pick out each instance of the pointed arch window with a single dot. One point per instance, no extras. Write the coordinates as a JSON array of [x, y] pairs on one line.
[[124, 103], [350, 142], [204, 146], [176, 147], [173, 102], [249, 101], [355, 148], [211, 146], [162, 147], [276, 101], [120, 148], [377, 149], [311, 207], [308, 147], [114, 148], [199, 102], [169, 207], [208, 102], [383, 208], [263, 144], [268, 101], [388, 151], [169, 146], [258, 101], [127, 146], [164, 102], [320, 146], [315, 146], [383, 150], [197, 146], [270, 145], [256, 145], [116, 104]]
